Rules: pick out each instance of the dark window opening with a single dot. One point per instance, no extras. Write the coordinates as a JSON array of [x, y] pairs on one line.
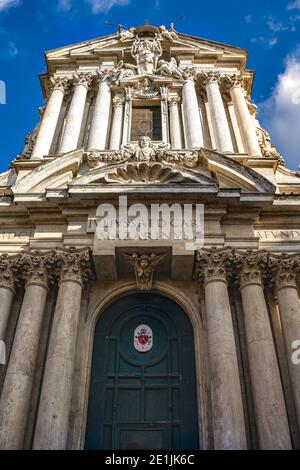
[[146, 120]]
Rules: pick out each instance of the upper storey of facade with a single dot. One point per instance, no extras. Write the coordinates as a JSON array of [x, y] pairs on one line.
[[148, 94], [178, 90]]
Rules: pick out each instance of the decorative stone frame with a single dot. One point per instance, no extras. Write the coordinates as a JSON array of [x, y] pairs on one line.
[[105, 295]]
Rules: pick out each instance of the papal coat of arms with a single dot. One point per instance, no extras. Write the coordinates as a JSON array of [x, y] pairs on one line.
[[143, 338]]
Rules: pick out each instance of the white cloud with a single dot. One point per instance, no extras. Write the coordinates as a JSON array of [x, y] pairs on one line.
[[294, 5], [267, 42], [64, 5], [12, 48], [103, 6], [5, 4], [280, 114]]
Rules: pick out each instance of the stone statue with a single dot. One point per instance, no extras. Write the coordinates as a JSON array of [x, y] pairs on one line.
[[144, 151], [146, 54], [170, 34], [143, 267], [124, 70], [125, 33], [169, 69]]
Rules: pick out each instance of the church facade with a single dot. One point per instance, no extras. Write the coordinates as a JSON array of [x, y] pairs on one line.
[[145, 342]]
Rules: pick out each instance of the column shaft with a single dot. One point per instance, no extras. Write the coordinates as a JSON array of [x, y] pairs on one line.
[[117, 123], [193, 127], [16, 393], [49, 121], [175, 126], [289, 306], [6, 298], [218, 116], [227, 405], [75, 114], [269, 404], [100, 121], [245, 121], [52, 425]]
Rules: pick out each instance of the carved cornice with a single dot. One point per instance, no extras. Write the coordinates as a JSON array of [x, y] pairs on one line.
[[214, 265], [72, 265], [59, 83], [251, 267], [8, 271], [144, 267], [36, 268], [284, 270]]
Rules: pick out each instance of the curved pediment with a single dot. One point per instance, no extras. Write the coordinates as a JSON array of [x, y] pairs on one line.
[[203, 168]]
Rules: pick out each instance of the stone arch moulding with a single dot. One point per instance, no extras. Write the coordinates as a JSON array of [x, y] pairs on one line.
[[191, 308]]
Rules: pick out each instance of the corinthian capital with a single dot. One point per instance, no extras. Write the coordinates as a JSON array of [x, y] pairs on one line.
[[284, 269], [73, 265], [231, 81], [82, 79], [35, 268], [251, 267], [59, 83], [8, 271], [118, 101], [206, 78], [214, 265], [174, 101]]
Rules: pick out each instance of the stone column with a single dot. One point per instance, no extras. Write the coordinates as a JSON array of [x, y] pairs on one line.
[[7, 290], [175, 126], [285, 270], [100, 121], [211, 81], [227, 406], [55, 403], [70, 138], [271, 416], [192, 122], [117, 123], [235, 85], [17, 388], [50, 118]]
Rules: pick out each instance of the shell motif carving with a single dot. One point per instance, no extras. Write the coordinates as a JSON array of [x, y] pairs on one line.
[[143, 173]]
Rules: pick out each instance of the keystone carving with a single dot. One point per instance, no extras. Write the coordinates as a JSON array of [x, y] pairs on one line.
[[144, 267]]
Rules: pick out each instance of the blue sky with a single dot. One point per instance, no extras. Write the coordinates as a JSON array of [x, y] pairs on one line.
[[268, 29]]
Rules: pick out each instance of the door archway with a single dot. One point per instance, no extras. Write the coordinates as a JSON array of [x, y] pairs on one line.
[[143, 386]]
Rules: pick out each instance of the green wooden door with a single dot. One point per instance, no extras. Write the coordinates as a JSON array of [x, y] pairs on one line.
[[143, 392]]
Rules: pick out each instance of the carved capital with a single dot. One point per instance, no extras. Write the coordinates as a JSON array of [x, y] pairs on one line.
[[60, 83], [8, 272], [214, 265], [206, 78], [174, 101], [231, 81], [73, 265], [84, 79], [251, 267], [36, 268], [284, 270], [118, 101], [144, 267]]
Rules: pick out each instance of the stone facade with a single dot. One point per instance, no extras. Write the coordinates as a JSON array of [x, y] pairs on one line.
[[240, 291]]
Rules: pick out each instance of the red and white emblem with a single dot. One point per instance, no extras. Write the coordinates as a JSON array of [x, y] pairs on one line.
[[143, 338]]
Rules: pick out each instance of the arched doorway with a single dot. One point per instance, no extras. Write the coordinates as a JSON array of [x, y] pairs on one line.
[[143, 390]]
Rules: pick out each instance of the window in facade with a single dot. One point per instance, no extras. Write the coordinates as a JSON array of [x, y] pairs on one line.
[[146, 120]]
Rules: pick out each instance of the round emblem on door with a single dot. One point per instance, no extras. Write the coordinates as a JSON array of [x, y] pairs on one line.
[[143, 338]]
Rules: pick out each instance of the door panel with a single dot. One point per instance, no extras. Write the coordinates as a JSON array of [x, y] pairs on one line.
[[143, 400]]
